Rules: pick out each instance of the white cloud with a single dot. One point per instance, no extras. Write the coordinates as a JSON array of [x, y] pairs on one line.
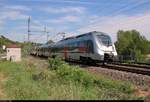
[[65, 19], [37, 28], [133, 6], [13, 12], [75, 2], [1, 24], [16, 7], [65, 10], [39, 38], [12, 15], [111, 25]]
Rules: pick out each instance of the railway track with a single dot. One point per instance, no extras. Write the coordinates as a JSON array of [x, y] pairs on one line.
[[133, 68], [129, 68], [138, 69], [145, 66], [136, 75]]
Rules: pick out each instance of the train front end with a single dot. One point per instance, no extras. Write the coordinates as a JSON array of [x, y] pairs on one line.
[[105, 48]]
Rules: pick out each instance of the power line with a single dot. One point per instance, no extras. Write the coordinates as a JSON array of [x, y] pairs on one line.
[[39, 36], [123, 10], [128, 8], [43, 31]]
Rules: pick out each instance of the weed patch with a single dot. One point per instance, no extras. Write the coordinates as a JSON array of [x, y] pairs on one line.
[[60, 81]]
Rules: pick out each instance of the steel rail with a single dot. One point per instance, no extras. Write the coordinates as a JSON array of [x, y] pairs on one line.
[[133, 65], [128, 69]]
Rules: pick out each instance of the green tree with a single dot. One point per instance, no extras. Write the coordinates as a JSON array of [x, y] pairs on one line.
[[132, 44]]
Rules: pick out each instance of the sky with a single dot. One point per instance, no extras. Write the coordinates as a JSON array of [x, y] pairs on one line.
[[73, 17]]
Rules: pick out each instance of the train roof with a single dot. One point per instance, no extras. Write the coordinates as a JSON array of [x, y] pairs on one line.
[[46, 45], [73, 37], [85, 34]]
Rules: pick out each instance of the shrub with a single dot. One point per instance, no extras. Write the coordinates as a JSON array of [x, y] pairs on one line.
[[67, 72], [61, 81], [75, 74], [54, 64]]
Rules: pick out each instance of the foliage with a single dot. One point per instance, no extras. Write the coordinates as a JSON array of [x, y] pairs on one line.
[[85, 78], [131, 43], [53, 64], [26, 46], [5, 41], [26, 81]]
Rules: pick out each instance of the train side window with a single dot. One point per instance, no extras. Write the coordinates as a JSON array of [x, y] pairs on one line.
[[81, 44], [68, 45], [76, 44], [90, 46]]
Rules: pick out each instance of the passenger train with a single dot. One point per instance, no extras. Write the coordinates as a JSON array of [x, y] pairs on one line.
[[92, 46]]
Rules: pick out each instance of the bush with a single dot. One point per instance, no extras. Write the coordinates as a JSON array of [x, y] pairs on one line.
[[67, 72], [54, 64], [61, 81], [76, 75]]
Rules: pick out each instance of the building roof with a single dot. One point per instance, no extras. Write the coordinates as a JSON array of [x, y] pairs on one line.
[[12, 46]]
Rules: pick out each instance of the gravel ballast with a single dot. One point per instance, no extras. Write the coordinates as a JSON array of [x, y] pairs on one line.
[[137, 79]]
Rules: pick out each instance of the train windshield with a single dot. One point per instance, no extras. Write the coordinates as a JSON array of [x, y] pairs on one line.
[[105, 40]]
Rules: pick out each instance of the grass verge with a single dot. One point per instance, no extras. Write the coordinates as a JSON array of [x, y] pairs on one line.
[[60, 81]]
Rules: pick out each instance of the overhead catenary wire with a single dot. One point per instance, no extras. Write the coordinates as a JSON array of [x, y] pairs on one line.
[[36, 31], [127, 8], [118, 12], [44, 32]]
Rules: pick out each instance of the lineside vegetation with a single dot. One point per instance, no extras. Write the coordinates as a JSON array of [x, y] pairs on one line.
[[60, 81], [131, 45]]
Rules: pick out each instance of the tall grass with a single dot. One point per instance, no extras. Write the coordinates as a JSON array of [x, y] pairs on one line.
[[60, 81]]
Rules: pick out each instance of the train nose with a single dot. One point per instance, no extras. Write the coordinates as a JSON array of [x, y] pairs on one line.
[[108, 57]]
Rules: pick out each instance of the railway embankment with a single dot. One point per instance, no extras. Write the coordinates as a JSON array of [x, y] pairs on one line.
[[137, 79], [35, 78]]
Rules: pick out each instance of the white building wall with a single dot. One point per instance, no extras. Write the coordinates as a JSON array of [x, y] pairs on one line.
[[4, 47], [14, 54]]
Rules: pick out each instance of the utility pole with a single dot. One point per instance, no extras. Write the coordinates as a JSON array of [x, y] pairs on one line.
[[46, 32], [47, 37], [24, 38], [29, 29]]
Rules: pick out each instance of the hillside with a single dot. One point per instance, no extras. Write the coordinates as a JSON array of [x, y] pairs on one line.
[[25, 46], [6, 41]]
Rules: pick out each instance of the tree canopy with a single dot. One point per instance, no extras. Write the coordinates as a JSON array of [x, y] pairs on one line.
[[132, 43]]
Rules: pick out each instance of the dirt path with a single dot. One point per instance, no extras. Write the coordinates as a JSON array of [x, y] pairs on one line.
[[142, 92]]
